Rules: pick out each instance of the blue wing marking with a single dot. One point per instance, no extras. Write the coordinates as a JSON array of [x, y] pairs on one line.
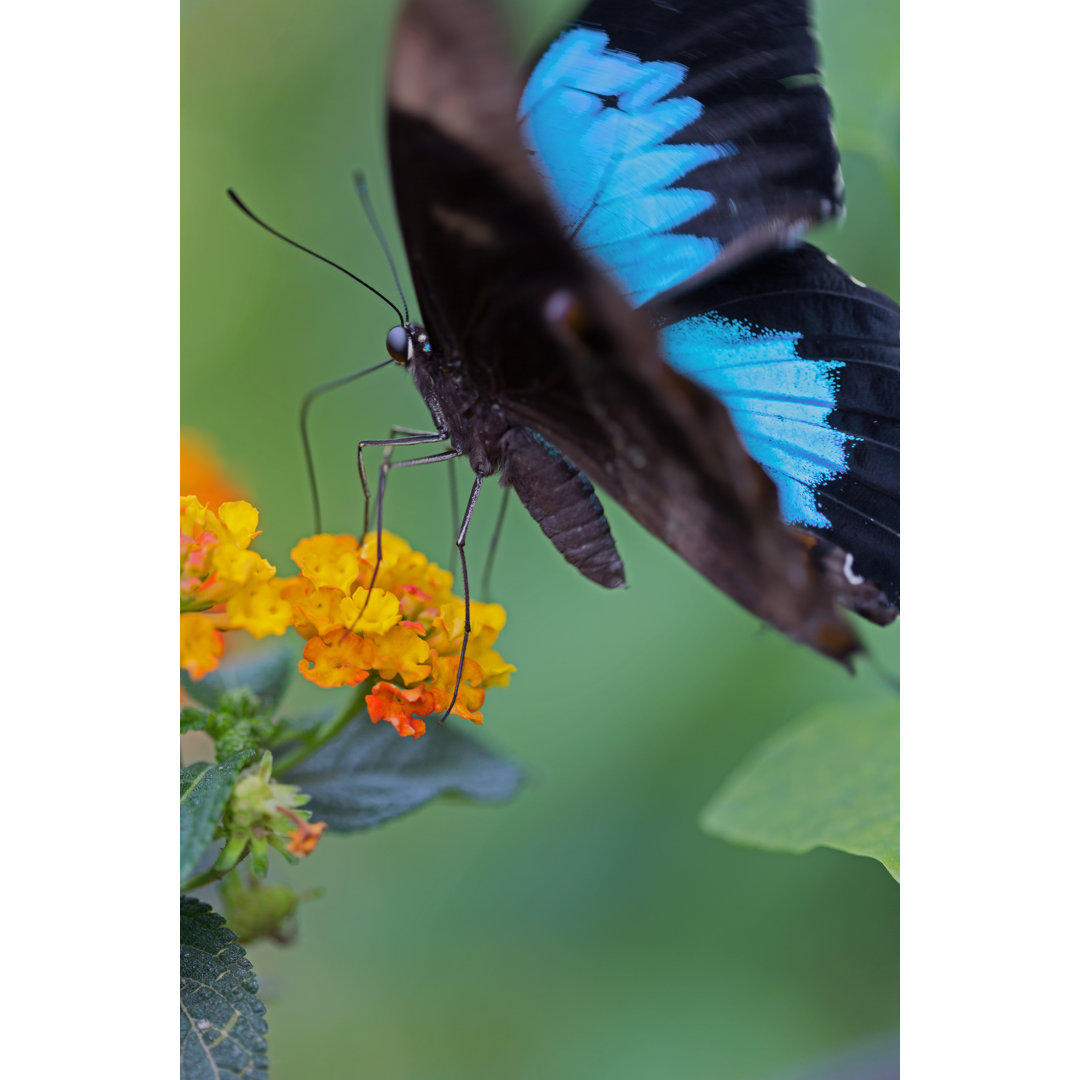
[[779, 401], [599, 120]]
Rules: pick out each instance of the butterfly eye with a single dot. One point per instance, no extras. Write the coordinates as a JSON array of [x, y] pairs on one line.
[[397, 344]]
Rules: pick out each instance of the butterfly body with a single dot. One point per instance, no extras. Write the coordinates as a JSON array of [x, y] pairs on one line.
[[572, 331]]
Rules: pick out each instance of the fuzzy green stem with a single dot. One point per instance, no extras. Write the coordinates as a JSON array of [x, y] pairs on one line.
[[207, 877], [313, 740]]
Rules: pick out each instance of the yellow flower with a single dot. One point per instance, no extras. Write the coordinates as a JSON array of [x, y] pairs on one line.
[[496, 671], [330, 561], [235, 566], [201, 645], [260, 609], [240, 521], [217, 568], [404, 569], [402, 651], [380, 611]]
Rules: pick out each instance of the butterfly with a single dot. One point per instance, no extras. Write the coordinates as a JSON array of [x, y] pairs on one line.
[[613, 289]]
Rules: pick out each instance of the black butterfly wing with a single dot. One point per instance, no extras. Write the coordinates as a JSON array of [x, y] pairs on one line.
[[528, 333], [807, 362], [681, 137]]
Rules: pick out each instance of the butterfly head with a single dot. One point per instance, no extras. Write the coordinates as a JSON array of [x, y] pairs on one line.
[[404, 343]]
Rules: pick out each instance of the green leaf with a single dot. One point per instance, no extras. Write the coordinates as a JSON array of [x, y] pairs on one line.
[[192, 719], [204, 790], [370, 774], [830, 779], [266, 673], [222, 1030]]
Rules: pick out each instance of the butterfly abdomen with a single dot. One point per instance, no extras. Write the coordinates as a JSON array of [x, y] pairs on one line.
[[564, 505]]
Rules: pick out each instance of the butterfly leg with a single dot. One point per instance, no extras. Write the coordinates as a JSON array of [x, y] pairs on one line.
[[473, 496], [305, 439], [399, 437], [384, 470]]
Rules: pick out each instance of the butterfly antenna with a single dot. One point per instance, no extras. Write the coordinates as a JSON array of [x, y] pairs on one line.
[[305, 408], [362, 190], [330, 262]]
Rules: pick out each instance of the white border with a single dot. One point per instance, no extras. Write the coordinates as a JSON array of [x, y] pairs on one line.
[[90, 190], [990, 750]]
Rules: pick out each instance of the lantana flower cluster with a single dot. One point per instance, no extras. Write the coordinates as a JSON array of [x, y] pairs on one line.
[[407, 630], [404, 635], [224, 585]]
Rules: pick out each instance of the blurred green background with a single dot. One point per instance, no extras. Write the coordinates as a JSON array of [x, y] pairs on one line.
[[588, 929]]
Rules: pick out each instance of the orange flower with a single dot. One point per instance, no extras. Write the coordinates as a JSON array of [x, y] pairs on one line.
[[201, 472], [304, 837], [337, 662], [295, 592], [403, 708], [201, 645], [470, 692], [315, 607]]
